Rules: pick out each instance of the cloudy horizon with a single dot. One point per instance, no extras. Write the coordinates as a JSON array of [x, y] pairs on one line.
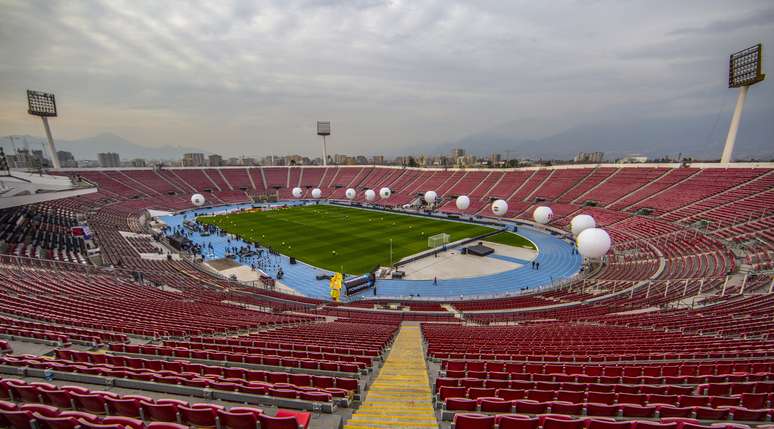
[[244, 77]]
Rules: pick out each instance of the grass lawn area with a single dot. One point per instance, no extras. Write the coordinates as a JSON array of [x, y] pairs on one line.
[[361, 238], [511, 239]]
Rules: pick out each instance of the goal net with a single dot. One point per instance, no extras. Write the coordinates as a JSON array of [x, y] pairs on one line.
[[437, 240]]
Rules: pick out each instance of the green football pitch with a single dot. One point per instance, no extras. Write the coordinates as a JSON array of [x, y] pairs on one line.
[[360, 238]]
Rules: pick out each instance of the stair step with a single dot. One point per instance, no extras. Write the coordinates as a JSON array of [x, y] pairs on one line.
[[401, 395]]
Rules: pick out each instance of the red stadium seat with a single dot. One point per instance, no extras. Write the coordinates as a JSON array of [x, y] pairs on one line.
[[473, 421], [516, 422], [460, 404]]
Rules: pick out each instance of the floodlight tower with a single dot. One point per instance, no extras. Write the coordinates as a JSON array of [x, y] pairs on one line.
[[744, 69], [324, 129], [44, 105]]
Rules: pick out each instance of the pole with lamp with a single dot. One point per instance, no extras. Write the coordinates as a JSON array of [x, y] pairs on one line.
[[44, 105], [324, 130], [744, 70]]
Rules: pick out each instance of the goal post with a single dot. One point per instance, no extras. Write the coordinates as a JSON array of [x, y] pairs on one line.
[[437, 240]]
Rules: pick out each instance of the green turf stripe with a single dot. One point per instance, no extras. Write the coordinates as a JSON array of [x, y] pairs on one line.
[[361, 238]]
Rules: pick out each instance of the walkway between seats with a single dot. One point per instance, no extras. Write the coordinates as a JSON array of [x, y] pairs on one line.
[[400, 397]]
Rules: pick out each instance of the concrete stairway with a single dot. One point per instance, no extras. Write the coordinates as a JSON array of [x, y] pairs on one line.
[[400, 397]]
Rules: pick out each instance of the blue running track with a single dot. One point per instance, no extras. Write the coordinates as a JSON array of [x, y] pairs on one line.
[[554, 255]]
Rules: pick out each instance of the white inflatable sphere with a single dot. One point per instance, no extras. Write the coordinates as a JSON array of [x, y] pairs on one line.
[[316, 193], [297, 192], [370, 195], [385, 193], [500, 207], [197, 200], [462, 202], [430, 197], [593, 243], [543, 215], [581, 223], [350, 193]]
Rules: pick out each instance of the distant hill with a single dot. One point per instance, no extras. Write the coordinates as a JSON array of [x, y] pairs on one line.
[[87, 148], [650, 137], [699, 137]]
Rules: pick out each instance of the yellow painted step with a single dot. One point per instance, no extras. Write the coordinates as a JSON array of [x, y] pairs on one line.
[[402, 411], [386, 425], [400, 396]]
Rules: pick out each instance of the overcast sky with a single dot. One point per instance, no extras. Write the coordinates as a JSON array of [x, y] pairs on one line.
[[252, 77]]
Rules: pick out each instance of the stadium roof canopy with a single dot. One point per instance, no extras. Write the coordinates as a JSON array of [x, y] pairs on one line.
[[20, 188]]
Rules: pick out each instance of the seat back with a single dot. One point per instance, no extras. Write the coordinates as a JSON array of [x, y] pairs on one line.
[[127, 422], [238, 420], [89, 425], [201, 417], [270, 422], [641, 424], [91, 403], [123, 407], [606, 424], [517, 422], [554, 423], [57, 398], [45, 422], [25, 393], [473, 421], [18, 419], [159, 412]]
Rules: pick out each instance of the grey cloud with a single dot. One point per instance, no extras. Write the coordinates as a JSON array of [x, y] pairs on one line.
[[757, 18], [390, 74]]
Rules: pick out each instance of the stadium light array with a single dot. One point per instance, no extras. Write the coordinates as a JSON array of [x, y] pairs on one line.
[[324, 129], [43, 104], [745, 68]]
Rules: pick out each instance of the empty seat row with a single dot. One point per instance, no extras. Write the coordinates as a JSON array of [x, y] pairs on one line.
[[292, 359], [660, 370], [498, 405], [315, 393], [519, 421], [749, 400], [67, 407], [208, 371], [528, 381]]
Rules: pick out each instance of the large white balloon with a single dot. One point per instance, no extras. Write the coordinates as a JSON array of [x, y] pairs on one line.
[[581, 223], [593, 243], [297, 192], [500, 207], [316, 193], [385, 193], [463, 202], [197, 200], [430, 197], [350, 193], [370, 195], [543, 215]]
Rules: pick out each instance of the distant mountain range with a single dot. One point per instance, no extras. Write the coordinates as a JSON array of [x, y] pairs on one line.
[[87, 148], [700, 137]]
